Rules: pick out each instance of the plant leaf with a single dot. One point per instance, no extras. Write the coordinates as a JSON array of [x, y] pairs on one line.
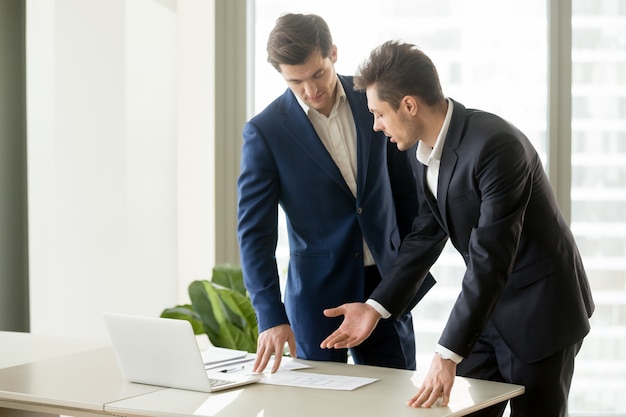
[[185, 312], [238, 308], [229, 276], [200, 295], [227, 315]]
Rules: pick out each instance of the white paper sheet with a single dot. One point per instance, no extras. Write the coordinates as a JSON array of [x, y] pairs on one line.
[[215, 355], [319, 381], [244, 365]]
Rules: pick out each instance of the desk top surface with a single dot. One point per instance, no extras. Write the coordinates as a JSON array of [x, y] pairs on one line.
[[387, 396], [62, 372], [84, 377], [18, 348]]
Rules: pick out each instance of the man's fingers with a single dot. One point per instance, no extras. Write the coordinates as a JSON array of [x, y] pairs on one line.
[[333, 312], [341, 340], [277, 359], [291, 343], [331, 340], [427, 397], [419, 398], [261, 361], [432, 399]]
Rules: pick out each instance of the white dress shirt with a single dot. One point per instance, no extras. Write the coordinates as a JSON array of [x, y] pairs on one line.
[[338, 134]]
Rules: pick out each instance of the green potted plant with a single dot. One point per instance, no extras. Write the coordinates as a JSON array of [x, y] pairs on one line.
[[221, 308]]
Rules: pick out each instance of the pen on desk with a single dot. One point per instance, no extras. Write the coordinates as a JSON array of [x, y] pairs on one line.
[[235, 369]]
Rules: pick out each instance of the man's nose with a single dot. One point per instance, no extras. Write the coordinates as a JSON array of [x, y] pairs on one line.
[[377, 126], [310, 88]]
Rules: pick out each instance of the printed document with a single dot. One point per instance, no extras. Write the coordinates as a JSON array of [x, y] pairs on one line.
[[319, 381]]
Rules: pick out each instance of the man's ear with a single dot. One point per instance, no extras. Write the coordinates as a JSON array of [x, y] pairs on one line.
[[409, 104], [333, 54]]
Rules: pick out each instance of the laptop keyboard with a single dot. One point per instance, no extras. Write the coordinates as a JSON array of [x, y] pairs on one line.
[[214, 382]]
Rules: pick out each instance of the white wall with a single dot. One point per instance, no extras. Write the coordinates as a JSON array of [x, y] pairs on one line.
[[196, 142], [119, 181]]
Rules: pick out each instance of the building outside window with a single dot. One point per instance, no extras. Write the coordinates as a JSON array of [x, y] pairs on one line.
[[598, 197]]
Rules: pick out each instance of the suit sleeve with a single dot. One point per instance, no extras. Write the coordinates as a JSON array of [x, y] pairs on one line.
[[257, 228]]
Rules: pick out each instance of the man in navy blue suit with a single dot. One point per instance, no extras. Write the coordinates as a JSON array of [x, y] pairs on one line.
[[525, 302], [349, 199]]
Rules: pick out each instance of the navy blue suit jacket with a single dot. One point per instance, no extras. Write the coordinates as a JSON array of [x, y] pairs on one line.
[[284, 162], [524, 271]]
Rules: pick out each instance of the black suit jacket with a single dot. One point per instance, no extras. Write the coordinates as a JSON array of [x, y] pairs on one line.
[[524, 271]]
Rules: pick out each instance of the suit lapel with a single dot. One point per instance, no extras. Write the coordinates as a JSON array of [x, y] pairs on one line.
[[430, 198], [449, 157], [299, 127], [364, 130]]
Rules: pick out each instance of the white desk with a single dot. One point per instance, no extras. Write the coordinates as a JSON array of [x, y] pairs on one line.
[[89, 383], [386, 397], [17, 348], [53, 375]]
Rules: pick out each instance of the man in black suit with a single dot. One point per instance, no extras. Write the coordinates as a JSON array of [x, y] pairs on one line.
[[525, 302]]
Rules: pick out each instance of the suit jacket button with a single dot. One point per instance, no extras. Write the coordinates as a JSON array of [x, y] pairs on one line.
[[359, 210]]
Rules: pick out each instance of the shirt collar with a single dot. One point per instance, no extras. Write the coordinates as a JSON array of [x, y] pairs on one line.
[[424, 153]]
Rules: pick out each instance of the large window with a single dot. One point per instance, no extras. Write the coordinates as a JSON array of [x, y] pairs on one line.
[[598, 196], [493, 55]]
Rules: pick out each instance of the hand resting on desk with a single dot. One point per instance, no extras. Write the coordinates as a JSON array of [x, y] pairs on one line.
[[272, 342], [437, 384]]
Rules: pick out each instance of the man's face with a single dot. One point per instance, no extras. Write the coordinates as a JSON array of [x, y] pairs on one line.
[[315, 81], [399, 125]]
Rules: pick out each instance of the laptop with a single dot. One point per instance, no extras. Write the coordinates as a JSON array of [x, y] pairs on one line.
[[164, 352]]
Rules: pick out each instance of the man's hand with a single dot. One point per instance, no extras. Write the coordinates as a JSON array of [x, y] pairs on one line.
[[359, 321], [437, 384], [272, 342]]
